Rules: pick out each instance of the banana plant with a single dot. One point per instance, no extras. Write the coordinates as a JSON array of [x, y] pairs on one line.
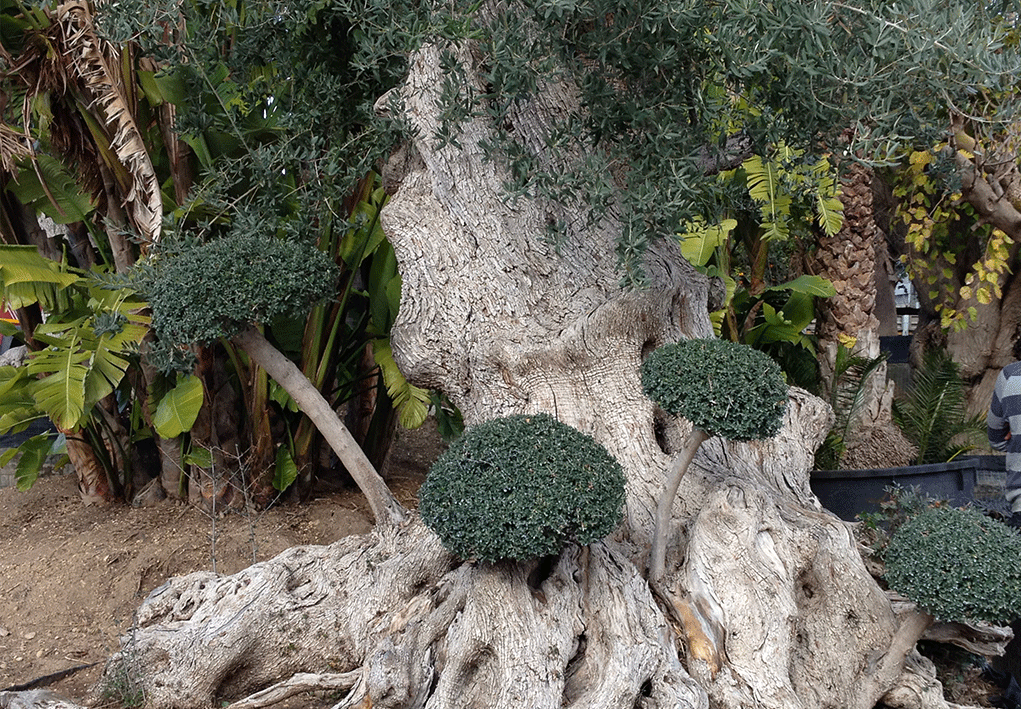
[[90, 336], [791, 197], [344, 347], [778, 184], [129, 168]]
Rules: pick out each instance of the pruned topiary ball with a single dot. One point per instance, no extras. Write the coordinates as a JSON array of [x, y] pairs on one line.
[[957, 564], [723, 388], [217, 289], [519, 487]]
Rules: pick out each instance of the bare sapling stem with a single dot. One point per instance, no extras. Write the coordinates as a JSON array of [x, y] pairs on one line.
[[657, 557], [385, 507]]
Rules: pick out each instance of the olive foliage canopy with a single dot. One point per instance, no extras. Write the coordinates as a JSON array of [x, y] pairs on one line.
[[724, 388], [219, 288], [520, 487]]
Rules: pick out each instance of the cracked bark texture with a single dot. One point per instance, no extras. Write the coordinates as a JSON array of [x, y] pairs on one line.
[[776, 607]]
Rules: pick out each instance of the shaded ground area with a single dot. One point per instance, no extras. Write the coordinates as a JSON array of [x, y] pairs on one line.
[[71, 576]]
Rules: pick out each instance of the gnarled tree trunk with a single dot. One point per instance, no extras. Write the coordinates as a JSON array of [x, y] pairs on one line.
[[991, 185], [776, 607]]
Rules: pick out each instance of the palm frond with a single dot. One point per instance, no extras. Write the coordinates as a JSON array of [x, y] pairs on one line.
[[97, 61], [830, 211], [764, 186], [934, 414], [45, 185], [411, 402], [848, 394]]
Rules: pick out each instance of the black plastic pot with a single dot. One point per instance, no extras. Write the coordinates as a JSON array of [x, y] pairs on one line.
[[849, 492]]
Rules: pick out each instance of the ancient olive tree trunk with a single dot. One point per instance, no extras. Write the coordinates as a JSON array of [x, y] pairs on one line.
[[777, 607]]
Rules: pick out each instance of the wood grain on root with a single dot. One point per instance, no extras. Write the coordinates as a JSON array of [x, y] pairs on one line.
[[395, 612], [298, 684]]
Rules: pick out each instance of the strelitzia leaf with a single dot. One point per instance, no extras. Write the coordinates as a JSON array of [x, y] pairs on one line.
[[33, 455], [198, 456], [411, 402], [28, 278], [699, 241], [809, 285], [278, 394], [286, 470], [61, 391], [178, 409]]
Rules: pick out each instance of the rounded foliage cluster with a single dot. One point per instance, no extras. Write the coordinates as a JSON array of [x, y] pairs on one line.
[[217, 289], [519, 487], [723, 388], [957, 564]]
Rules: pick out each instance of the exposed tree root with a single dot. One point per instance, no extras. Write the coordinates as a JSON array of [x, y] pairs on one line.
[[774, 604], [298, 684], [418, 629]]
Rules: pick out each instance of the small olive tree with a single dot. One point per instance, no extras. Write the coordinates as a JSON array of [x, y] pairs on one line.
[[955, 565], [519, 487], [724, 389], [225, 288]]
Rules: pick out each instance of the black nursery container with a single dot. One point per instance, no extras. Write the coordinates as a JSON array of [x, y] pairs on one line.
[[846, 493]]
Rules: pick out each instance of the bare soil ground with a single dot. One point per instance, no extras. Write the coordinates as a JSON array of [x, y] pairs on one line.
[[72, 576]]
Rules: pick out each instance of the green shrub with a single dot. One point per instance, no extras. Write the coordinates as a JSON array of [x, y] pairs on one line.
[[723, 388], [519, 487], [219, 288], [958, 565]]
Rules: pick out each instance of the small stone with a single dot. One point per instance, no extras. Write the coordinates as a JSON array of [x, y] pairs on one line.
[[18, 659], [29, 636], [4, 632], [40, 653]]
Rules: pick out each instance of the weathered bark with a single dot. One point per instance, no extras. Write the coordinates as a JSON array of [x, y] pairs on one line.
[[977, 638], [777, 608], [985, 346]]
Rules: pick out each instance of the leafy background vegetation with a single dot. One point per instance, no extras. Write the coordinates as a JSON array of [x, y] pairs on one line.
[[222, 119]]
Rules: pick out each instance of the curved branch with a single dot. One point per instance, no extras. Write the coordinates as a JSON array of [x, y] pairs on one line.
[[385, 507], [657, 558], [993, 208]]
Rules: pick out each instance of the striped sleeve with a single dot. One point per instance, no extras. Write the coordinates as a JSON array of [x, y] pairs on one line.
[[1005, 405]]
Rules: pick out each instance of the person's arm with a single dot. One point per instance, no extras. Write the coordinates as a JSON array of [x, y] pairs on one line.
[[997, 424]]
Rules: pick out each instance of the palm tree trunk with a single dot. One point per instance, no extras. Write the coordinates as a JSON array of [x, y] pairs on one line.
[[849, 260]]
